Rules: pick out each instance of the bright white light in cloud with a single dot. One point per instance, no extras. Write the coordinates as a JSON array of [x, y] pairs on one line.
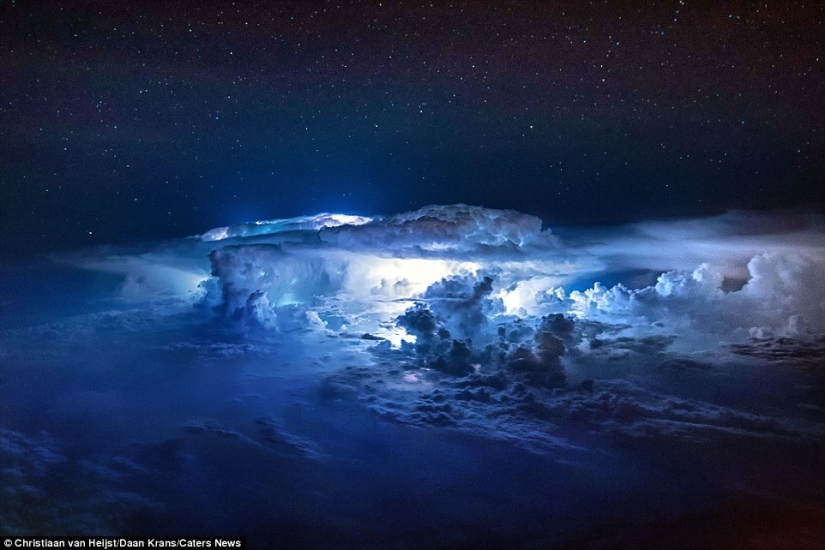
[[399, 278], [301, 223], [360, 274]]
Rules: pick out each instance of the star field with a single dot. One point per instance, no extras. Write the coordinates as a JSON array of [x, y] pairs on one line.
[[146, 120]]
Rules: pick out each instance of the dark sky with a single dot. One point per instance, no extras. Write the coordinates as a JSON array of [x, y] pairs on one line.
[[140, 120]]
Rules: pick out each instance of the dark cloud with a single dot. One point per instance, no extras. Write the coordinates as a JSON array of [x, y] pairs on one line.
[[807, 352], [42, 483], [505, 404]]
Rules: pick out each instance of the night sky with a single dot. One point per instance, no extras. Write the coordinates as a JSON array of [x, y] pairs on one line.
[[143, 120]]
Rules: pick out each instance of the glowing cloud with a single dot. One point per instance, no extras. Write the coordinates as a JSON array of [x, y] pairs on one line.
[[727, 278], [270, 227]]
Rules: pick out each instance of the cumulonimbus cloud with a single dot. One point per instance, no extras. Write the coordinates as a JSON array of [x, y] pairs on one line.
[[733, 276]]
